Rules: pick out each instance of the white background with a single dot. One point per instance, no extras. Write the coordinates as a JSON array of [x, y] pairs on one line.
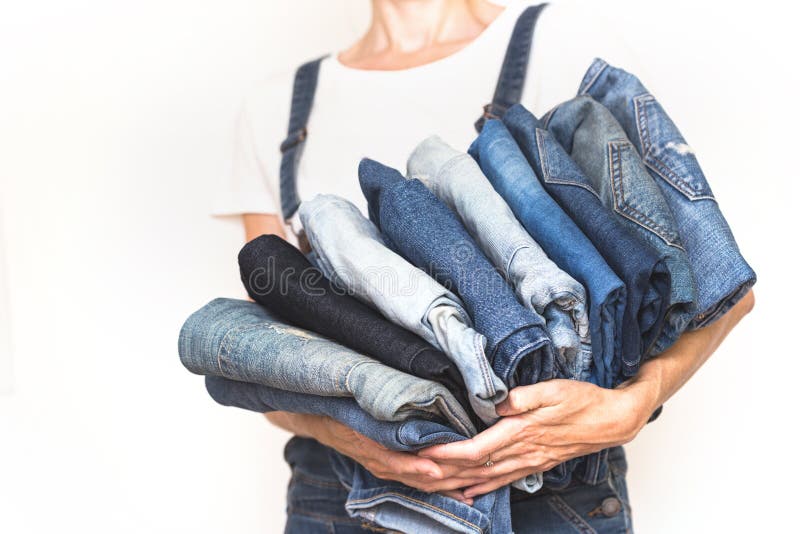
[[115, 123]]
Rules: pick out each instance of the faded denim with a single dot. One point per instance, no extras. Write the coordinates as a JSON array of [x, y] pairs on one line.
[[409, 435], [640, 266], [352, 254], [511, 175], [400, 508], [428, 234], [279, 277], [242, 341], [455, 178], [600, 147], [723, 276], [386, 503]]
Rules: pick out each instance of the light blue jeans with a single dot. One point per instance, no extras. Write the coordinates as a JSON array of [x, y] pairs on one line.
[[352, 254], [456, 179], [240, 340]]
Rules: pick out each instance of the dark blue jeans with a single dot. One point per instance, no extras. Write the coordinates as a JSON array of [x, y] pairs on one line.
[[316, 500]]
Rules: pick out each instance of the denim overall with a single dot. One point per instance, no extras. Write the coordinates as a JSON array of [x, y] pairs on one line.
[[593, 500]]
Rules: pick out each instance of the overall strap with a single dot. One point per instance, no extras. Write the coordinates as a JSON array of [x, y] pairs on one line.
[[515, 66], [305, 85]]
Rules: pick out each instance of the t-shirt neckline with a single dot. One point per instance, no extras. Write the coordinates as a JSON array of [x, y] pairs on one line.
[[510, 9]]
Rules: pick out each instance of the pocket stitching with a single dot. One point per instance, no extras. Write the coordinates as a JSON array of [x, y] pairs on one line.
[[621, 206], [654, 162], [568, 514], [547, 176]]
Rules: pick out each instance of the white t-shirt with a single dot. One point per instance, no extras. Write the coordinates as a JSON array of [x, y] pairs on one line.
[[385, 114]]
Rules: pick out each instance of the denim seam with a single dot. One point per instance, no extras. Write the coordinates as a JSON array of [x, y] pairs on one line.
[[565, 511], [547, 176], [223, 349], [483, 365], [591, 82], [348, 373], [511, 257], [621, 206], [652, 161], [429, 506], [517, 356], [447, 410]]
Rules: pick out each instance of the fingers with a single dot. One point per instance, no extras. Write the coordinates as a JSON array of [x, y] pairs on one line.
[[493, 484], [475, 451], [411, 464], [526, 398], [457, 495], [496, 470]]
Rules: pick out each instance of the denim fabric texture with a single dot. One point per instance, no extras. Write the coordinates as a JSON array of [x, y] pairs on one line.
[[382, 502], [241, 340], [603, 507], [409, 435], [397, 507], [278, 276], [722, 275], [512, 176], [455, 178], [317, 499], [427, 233], [350, 251], [600, 147], [639, 265]]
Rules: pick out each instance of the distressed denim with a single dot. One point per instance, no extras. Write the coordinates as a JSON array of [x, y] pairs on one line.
[[455, 178], [428, 234], [385, 503], [242, 341], [278, 276], [511, 175], [352, 254], [638, 264], [600, 147], [722, 274]]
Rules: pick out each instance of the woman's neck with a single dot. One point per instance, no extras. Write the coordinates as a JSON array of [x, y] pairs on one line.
[[409, 33]]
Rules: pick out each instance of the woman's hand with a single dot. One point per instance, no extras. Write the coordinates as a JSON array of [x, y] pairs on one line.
[[542, 426], [407, 468]]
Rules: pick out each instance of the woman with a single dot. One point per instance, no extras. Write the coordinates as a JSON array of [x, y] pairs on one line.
[[422, 67]]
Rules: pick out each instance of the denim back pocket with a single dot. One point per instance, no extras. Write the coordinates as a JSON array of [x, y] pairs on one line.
[[557, 166], [666, 152], [636, 196]]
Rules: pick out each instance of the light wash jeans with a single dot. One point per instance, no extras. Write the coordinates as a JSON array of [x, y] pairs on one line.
[[240, 340], [456, 179], [352, 254]]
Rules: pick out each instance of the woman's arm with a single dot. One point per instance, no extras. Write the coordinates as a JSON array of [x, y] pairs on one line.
[[548, 423], [256, 224]]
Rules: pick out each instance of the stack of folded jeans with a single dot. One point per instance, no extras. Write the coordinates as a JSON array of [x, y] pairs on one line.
[[573, 246]]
